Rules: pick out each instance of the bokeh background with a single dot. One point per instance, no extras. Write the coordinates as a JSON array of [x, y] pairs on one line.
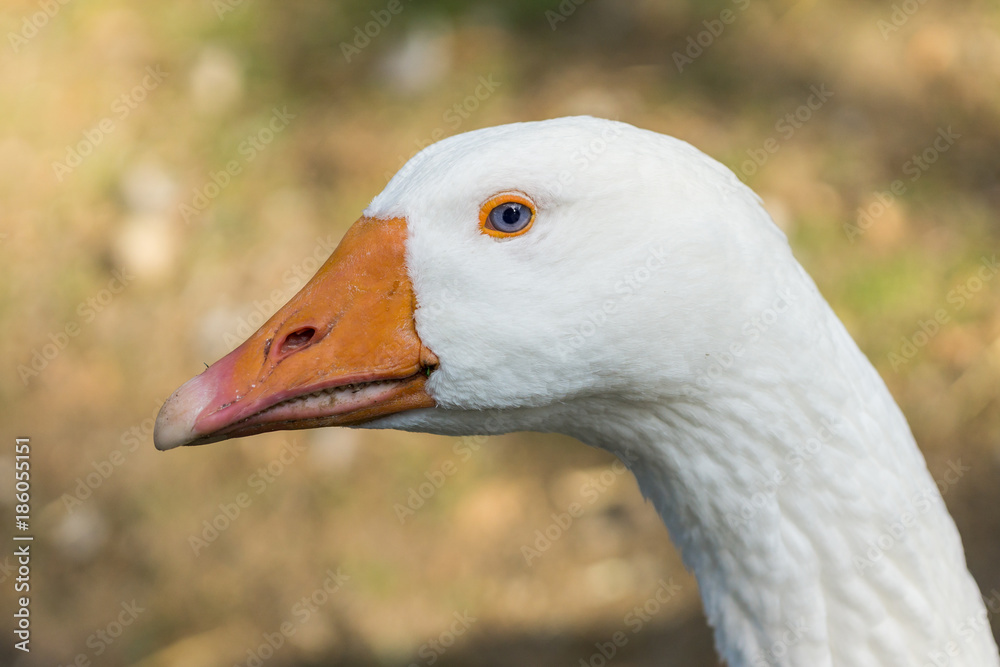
[[128, 259]]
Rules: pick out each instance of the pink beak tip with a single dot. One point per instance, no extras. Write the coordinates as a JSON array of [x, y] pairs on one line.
[[175, 423]]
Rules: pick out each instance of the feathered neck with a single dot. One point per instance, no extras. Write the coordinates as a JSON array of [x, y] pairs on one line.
[[798, 497]]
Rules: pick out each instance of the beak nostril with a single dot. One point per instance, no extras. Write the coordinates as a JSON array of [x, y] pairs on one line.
[[296, 340]]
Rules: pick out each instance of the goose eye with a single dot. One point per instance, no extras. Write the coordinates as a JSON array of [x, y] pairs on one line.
[[507, 214], [510, 217]]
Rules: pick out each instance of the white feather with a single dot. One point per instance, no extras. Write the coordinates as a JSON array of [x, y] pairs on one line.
[[654, 310]]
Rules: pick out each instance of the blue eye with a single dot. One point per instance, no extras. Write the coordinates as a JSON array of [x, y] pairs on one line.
[[507, 214], [510, 217]]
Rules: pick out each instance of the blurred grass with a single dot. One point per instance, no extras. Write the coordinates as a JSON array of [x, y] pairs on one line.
[[355, 124]]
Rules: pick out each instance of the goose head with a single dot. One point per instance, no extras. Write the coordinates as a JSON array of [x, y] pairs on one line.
[[587, 277], [506, 279]]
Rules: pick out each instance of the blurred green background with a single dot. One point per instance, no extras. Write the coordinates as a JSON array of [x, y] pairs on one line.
[[171, 172]]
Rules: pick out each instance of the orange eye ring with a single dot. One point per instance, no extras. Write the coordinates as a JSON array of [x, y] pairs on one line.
[[497, 200]]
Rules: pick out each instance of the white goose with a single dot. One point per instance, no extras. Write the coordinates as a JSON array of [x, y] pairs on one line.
[[586, 277]]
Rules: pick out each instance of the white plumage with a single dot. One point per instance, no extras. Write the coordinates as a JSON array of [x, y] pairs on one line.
[[654, 310], [657, 312]]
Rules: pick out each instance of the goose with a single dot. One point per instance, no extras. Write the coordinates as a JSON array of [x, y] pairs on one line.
[[587, 277]]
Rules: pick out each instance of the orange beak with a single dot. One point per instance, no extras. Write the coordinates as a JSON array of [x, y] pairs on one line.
[[341, 352]]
